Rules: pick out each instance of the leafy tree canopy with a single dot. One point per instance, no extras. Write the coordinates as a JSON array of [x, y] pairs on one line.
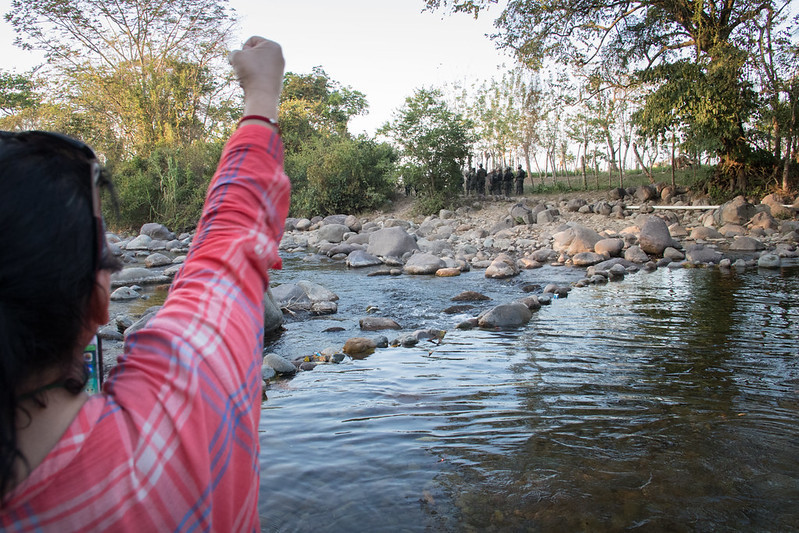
[[152, 71], [434, 146]]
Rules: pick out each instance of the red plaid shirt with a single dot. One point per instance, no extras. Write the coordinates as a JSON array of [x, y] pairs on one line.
[[172, 442]]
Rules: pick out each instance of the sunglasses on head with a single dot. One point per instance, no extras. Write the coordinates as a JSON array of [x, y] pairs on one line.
[[65, 144]]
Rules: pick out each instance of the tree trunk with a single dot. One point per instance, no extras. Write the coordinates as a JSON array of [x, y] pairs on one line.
[[673, 159], [786, 168], [537, 169], [643, 166]]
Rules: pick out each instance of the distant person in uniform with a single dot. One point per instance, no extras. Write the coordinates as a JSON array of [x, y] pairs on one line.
[[507, 181], [520, 175], [481, 180]]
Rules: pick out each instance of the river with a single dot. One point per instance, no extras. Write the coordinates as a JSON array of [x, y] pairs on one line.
[[664, 402]]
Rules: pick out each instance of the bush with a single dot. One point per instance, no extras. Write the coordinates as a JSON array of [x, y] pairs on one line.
[[168, 186], [340, 175]]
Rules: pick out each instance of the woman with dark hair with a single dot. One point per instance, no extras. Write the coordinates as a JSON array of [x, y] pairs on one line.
[[171, 443]]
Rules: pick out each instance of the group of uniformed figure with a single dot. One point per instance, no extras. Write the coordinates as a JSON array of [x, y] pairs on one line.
[[498, 182]]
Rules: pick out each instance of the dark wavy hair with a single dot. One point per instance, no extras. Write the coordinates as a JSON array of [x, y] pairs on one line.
[[48, 239]]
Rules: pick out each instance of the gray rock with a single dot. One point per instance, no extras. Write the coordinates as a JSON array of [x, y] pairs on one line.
[[391, 242], [736, 211], [575, 204], [673, 254], [317, 293], [157, 260], [139, 275], [646, 193], [635, 254], [423, 263], [763, 220], [509, 315], [705, 233], [273, 316], [654, 236], [747, 244], [584, 240], [545, 217], [376, 323], [110, 332], [503, 266], [587, 259], [124, 293], [279, 364], [323, 308], [332, 232], [361, 258], [157, 231], [770, 261], [142, 242], [141, 322], [703, 255], [531, 302], [267, 372], [521, 214]]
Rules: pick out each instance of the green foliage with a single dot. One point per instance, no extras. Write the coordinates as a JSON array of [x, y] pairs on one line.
[[434, 147], [167, 186], [313, 106], [330, 171], [151, 72], [340, 175], [16, 92]]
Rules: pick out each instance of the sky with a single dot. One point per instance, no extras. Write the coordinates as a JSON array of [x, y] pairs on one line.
[[384, 49]]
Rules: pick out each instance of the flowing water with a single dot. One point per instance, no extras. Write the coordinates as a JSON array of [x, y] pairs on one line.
[[665, 402]]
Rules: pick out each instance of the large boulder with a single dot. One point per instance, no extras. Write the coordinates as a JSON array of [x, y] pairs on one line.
[[655, 236], [332, 232], [763, 220], [391, 242], [521, 214], [646, 193], [510, 315], [584, 240], [775, 202], [423, 263], [503, 266], [736, 211], [156, 231]]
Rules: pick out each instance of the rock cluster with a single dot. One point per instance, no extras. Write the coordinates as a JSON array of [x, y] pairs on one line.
[[608, 234]]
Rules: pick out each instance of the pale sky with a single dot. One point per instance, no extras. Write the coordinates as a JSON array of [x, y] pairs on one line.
[[385, 49]]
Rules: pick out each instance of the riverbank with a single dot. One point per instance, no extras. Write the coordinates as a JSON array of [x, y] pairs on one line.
[[595, 232]]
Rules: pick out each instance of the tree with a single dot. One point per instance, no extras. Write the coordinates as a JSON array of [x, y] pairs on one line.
[[664, 40], [434, 147], [330, 171], [314, 106], [152, 71], [16, 93]]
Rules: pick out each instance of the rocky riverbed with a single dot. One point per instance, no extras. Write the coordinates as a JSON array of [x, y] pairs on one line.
[[607, 234]]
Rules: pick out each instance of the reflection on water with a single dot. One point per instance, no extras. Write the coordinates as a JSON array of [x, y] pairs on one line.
[[666, 402]]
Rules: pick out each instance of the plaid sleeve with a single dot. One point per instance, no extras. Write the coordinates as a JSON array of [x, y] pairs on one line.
[[172, 444]]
